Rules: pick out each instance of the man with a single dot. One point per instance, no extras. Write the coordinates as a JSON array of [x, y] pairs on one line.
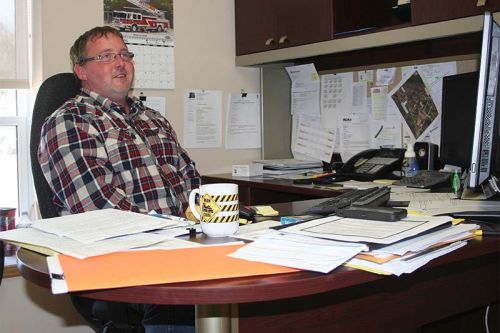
[[104, 149]]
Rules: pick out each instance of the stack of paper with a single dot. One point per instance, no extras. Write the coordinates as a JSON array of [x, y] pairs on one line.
[[407, 256], [323, 244], [301, 252], [91, 233], [289, 166]]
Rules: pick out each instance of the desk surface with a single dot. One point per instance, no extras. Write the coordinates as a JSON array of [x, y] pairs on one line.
[[250, 289], [264, 190], [458, 282]]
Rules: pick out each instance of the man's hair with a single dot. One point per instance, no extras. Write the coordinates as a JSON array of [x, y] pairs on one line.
[[78, 51]]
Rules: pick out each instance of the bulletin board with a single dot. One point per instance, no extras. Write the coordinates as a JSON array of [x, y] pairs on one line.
[[386, 107], [276, 100]]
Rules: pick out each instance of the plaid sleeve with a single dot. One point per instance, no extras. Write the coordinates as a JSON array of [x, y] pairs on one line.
[[74, 161], [182, 174]]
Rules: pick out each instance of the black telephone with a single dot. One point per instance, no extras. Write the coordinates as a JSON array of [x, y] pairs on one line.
[[371, 164]]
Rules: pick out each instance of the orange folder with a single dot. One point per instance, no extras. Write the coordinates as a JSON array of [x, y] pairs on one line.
[[133, 268]]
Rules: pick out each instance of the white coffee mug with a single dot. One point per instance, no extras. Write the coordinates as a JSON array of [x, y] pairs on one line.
[[218, 208]]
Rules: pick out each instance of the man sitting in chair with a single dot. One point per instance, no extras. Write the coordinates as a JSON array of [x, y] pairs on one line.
[[105, 149]]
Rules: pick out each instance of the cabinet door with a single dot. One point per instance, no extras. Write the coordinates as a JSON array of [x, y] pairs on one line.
[[304, 21], [255, 26], [428, 11]]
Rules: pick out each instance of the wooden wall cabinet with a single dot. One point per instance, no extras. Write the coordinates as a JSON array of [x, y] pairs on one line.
[[263, 25], [429, 11]]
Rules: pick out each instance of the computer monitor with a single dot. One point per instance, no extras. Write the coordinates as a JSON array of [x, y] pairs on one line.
[[458, 112], [485, 144]]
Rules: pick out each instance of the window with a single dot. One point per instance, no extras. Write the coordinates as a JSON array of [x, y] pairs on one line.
[[14, 104]]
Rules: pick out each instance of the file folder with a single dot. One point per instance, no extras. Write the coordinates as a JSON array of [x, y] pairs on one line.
[[134, 268]]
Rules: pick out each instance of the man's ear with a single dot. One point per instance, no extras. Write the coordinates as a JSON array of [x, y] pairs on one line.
[[80, 72]]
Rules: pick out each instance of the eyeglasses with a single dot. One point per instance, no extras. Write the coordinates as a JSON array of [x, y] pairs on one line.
[[109, 57]]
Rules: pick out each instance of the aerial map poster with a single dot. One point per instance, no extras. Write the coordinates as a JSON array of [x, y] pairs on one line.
[[414, 102], [148, 30]]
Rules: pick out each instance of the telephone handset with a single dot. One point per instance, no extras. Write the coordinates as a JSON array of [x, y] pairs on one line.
[[374, 163]]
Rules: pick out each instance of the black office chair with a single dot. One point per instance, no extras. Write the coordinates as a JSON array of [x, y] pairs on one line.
[[102, 316], [2, 261]]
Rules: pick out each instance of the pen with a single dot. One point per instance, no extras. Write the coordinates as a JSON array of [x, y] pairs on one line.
[[322, 175]]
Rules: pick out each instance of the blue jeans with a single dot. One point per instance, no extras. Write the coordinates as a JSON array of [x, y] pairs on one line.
[[167, 318]]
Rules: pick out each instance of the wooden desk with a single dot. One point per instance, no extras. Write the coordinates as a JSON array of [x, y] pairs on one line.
[[265, 190], [346, 300]]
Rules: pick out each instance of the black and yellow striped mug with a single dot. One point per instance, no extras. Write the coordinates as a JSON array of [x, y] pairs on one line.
[[218, 210]]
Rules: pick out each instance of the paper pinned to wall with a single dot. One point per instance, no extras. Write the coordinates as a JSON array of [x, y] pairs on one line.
[[355, 134], [336, 97], [386, 76], [243, 126], [305, 89], [433, 75], [156, 103], [312, 140], [417, 108], [202, 119]]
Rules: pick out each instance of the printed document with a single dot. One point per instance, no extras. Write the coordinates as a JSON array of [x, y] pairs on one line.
[[401, 266], [312, 140], [357, 230], [305, 90], [202, 119], [101, 224], [297, 251], [448, 206], [243, 127], [46, 243]]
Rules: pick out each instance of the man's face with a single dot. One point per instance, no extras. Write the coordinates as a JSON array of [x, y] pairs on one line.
[[109, 79]]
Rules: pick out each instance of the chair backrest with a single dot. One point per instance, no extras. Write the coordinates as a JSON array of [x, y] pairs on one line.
[[53, 92], [2, 260]]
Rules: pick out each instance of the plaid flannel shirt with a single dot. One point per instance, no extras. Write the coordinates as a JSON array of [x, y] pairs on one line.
[[95, 156]]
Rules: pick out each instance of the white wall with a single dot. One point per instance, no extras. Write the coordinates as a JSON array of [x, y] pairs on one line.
[[204, 59]]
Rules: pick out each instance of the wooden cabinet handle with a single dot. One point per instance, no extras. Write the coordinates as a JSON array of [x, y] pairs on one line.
[[481, 3], [269, 41], [283, 39]]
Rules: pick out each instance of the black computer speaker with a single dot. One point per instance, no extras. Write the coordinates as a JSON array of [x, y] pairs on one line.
[[427, 155]]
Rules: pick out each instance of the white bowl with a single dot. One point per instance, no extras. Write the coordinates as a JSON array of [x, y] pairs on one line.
[[220, 229]]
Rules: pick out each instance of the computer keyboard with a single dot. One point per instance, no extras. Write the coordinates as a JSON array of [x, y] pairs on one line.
[[370, 197], [427, 179]]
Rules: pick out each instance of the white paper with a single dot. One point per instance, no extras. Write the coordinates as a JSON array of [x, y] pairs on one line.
[[385, 76], [433, 75], [243, 126], [58, 285], [77, 249], [299, 252], [202, 119], [305, 90], [414, 101], [354, 134], [400, 266], [336, 98], [448, 206], [153, 59], [156, 103], [423, 242], [357, 230], [312, 140], [101, 224], [365, 76]]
